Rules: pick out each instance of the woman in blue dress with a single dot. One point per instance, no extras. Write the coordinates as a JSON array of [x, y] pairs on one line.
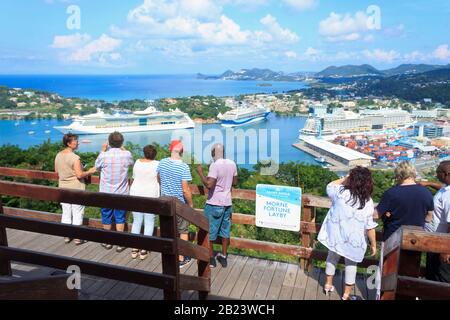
[[347, 225]]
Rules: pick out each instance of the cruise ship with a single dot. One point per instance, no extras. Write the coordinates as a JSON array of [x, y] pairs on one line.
[[243, 116], [347, 122], [139, 121]]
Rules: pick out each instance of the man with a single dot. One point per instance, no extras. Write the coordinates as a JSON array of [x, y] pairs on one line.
[[221, 178], [114, 162], [174, 176], [438, 265]]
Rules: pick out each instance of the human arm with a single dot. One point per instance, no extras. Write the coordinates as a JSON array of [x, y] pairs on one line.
[[208, 182], [371, 234], [434, 185], [79, 172], [338, 182], [187, 193]]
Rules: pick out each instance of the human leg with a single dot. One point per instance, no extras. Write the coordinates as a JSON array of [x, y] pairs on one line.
[[350, 278], [106, 221], [330, 268]]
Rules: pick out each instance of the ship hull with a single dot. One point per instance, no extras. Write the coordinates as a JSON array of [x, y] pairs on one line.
[[93, 130], [244, 121]]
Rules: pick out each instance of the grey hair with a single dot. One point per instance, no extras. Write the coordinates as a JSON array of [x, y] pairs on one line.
[[404, 171]]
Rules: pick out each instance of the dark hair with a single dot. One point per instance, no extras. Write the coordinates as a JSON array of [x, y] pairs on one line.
[[68, 138], [115, 140], [150, 152], [360, 185]]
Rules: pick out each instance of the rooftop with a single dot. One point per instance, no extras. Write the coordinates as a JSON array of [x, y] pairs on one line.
[[341, 151]]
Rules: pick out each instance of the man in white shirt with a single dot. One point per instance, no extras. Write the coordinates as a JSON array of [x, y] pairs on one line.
[[438, 265]]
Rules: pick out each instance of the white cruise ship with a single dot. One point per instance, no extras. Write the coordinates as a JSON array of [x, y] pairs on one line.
[[140, 121], [243, 116]]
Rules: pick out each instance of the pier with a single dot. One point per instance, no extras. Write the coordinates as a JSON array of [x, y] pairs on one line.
[[335, 166]]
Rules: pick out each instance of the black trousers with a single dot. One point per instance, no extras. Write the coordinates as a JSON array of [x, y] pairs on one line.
[[437, 270]]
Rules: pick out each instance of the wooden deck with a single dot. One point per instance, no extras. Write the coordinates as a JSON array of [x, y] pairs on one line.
[[244, 278]]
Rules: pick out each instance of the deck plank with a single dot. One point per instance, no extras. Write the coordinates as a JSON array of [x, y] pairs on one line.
[[289, 282], [277, 281], [228, 285], [312, 284], [243, 278], [300, 285], [255, 279], [266, 280]]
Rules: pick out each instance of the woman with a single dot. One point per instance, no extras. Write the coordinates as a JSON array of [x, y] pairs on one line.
[[145, 184], [71, 176], [407, 203], [345, 227]]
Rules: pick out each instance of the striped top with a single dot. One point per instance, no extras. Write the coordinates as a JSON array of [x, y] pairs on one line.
[[114, 165], [172, 173]]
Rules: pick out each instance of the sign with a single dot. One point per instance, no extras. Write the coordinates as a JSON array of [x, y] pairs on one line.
[[278, 207]]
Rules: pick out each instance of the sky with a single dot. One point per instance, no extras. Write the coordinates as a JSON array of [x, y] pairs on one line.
[[212, 36]]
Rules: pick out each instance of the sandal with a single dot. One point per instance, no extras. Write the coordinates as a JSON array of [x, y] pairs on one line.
[[134, 253], [79, 242], [120, 249], [107, 246], [328, 289], [67, 240], [143, 254]]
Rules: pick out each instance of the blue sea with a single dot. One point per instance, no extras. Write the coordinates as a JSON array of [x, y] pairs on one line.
[[271, 139], [116, 88]]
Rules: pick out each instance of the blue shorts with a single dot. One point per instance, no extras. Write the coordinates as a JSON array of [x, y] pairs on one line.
[[119, 216], [219, 221]]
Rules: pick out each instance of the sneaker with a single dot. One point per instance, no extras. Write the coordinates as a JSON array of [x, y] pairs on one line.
[[222, 260], [212, 262], [185, 262]]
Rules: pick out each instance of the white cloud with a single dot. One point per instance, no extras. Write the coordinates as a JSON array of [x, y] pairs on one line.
[[442, 53], [225, 32], [302, 4], [280, 34], [395, 31], [415, 56], [382, 55], [70, 41], [339, 27], [291, 54], [101, 49]]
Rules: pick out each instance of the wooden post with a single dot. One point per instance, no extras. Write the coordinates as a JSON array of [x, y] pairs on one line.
[[5, 265], [170, 262], [306, 240], [204, 270]]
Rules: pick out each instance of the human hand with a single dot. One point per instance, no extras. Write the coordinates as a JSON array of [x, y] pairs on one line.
[[373, 250], [200, 169], [424, 183], [104, 147], [445, 258], [388, 214], [92, 170]]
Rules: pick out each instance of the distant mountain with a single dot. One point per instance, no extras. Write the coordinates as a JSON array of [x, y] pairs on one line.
[[349, 71], [254, 75], [413, 69]]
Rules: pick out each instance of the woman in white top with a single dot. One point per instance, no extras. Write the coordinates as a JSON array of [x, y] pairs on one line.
[[145, 184], [348, 222]]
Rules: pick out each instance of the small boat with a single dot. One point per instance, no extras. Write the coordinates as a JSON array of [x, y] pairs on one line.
[[17, 124], [47, 131], [86, 141], [31, 132], [320, 160], [34, 123]]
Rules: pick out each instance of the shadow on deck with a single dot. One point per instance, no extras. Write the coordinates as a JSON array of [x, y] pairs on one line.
[[245, 278]]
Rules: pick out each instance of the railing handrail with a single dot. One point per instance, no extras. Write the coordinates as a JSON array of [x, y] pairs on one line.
[[169, 245], [401, 266], [242, 194]]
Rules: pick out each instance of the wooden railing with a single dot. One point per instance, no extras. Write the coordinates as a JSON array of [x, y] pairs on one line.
[[168, 243], [401, 268], [305, 252]]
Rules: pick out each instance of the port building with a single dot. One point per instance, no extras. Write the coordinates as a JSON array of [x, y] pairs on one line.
[[338, 153]]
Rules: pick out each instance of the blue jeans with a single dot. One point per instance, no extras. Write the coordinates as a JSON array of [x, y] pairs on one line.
[[107, 216], [149, 223], [219, 221]]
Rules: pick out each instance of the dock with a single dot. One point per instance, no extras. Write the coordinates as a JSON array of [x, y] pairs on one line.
[[336, 166]]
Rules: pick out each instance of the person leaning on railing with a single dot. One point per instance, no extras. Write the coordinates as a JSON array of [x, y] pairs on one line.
[[71, 176], [438, 265], [346, 225], [405, 204]]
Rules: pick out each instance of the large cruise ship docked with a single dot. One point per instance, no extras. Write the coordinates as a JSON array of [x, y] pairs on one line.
[[140, 121], [243, 116], [347, 122]]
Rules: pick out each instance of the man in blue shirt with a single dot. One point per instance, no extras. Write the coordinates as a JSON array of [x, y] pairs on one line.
[[174, 176]]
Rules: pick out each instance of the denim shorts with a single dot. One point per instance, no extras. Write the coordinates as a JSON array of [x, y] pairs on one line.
[[219, 221], [107, 215]]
